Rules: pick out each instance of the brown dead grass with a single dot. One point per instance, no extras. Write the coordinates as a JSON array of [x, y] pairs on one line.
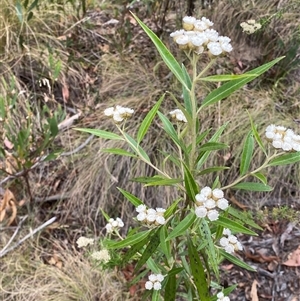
[[58, 272]]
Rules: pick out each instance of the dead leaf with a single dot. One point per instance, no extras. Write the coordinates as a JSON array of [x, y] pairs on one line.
[[293, 259], [253, 293], [8, 144]]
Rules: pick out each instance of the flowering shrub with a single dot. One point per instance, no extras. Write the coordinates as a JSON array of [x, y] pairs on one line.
[[181, 247]]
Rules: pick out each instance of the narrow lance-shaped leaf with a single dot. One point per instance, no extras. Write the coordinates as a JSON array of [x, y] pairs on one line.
[[228, 88], [189, 182], [170, 291], [226, 77], [165, 54], [256, 136], [285, 159], [136, 148], [198, 273], [129, 241], [135, 201], [101, 133], [186, 93], [182, 226], [236, 261], [147, 120], [261, 177], [150, 249], [232, 225], [252, 186], [247, 153], [118, 151]]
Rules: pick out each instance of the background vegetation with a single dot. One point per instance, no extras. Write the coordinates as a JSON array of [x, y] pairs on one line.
[[64, 59]]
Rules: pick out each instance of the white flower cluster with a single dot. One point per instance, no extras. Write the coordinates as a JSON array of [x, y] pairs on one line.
[[118, 113], [102, 255], [154, 282], [208, 200], [114, 224], [250, 26], [230, 242], [283, 138], [178, 115], [150, 216], [84, 241], [221, 297], [197, 36]]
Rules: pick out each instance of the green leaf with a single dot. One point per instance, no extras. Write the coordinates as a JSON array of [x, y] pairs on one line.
[[227, 77], [198, 272], [261, 177], [232, 225], [210, 248], [165, 245], [131, 198], [214, 138], [172, 208], [186, 93], [182, 226], [247, 154], [136, 148], [236, 261], [19, 11], [212, 169], [212, 146], [242, 216], [53, 126], [256, 136], [147, 180], [129, 241], [155, 295], [252, 186], [105, 215], [148, 120], [101, 133], [189, 183], [170, 290], [285, 159], [118, 151], [150, 249], [164, 182], [169, 129], [228, 88], [165, 54]]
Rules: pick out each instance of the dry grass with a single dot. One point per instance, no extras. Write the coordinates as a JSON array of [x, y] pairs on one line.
[[57, 272], [92, 176]]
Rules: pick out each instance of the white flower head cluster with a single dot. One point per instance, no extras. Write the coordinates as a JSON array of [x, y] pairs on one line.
[[154, 282], [208, 201], [114, 224], [178, 115], [197, 35], [283, 138], [230, 242], [221, 297], [102, 255], [84, 242], [150, 216], [250, 26], [118, 113]]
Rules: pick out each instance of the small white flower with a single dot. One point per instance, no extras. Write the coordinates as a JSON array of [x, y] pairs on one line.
[[151, 211], [151, 218], [141, 216], [224, 242], [221, 297], [114, 224], [109, 111], [201, 211], [214, 48], [212, 35], [226, 231], [206, 191], [160, 211], [156, 286], [152, 277], [109, 228], [177, 33], [200, 199], [217, 193], [188, 23], [102, 255], [229, 248], [160, 277], [222, 204], [141, 208], [178, 115], [160, 220], [120, 222], [84, 241], [213, 215], [232, 239], [210, 204], [149, 285]]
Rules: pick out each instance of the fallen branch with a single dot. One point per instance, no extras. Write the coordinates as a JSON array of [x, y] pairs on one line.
[[5, 250]]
